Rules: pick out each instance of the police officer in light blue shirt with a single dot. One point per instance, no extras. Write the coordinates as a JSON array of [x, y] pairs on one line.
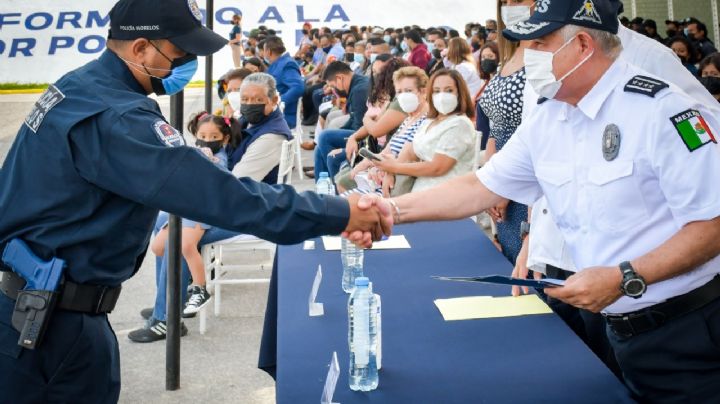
[[83, 182]]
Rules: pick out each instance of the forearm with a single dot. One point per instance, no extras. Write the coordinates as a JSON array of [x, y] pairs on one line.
[[695, 244], [360, 134], [423, 169], [490, 149], [457, 198]]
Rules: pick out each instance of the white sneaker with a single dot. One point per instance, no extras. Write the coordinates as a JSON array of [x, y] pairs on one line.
[[199, 297]]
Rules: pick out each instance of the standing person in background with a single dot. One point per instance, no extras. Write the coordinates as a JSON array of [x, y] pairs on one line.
[[286, 72], [710, 74], [235, 41], [686, 51], [489, 59], [697, 32], [460, 55], [419, 54], [501, 105]]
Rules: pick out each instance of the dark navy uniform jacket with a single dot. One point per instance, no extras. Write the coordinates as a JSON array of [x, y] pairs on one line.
[[95, 161]]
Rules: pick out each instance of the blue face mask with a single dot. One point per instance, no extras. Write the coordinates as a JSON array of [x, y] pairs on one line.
[[386, 38], [182, 71], [267, 61], [373, 56], [359, 58], [404, 46], [686, 32], [430, 46]]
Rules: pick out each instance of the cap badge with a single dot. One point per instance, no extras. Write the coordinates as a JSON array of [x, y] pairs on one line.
[[588, 13], [541, 6], [195, 9]]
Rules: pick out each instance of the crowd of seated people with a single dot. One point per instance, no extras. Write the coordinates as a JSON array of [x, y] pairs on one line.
[[416, 98]]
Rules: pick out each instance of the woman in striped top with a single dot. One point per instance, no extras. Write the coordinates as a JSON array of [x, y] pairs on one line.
[[410, 83]]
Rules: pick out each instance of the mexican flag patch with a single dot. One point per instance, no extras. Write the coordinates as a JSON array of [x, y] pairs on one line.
[[693, 129]]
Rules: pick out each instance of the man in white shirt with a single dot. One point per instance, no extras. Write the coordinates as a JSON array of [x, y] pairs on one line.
[[545, 247], [628, 165]]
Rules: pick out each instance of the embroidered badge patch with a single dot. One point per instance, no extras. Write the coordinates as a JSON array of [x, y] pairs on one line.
[[693, 129], [167, 134], [524, 27], [50, 98], [195, 9], [588, 13], [645, 85], [541, 6]]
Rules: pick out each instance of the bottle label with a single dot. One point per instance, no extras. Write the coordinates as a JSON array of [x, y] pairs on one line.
[[361, 331]]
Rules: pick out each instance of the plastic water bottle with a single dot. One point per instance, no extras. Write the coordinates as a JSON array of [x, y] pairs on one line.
[[362, 337], [352, 262], [324, 185]]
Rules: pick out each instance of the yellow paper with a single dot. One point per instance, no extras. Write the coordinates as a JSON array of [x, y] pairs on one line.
[[332, 243], [467, 308]]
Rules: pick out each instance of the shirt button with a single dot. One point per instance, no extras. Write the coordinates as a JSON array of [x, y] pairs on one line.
[[544, 211]]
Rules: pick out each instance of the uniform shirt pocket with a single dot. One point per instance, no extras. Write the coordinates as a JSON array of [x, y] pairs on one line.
[[556, 181], [618, 203]]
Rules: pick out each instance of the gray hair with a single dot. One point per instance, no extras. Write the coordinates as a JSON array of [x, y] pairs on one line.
[[261, 79], [608, 43]]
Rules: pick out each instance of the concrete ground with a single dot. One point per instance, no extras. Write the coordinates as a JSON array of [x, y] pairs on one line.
[[218, 367]]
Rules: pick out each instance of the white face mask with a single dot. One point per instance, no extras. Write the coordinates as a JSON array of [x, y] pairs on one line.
[[512, 15], [445, 103], [409, 102], [539, 70], [234, 100]]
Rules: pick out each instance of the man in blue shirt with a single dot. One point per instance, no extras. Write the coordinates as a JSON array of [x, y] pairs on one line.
[[355, 88], [286, 72], [110, 161]]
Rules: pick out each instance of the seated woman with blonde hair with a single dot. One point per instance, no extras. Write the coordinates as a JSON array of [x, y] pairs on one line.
[[444, 146]]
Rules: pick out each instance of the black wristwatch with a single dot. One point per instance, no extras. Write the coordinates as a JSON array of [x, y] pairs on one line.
[[632, 285], [524, 230]]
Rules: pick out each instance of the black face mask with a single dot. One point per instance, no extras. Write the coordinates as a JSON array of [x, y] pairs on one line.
[[711, 83], [215, 146], [254, 113], [671, 33], [489, 66], [327, 49], [436, 54]]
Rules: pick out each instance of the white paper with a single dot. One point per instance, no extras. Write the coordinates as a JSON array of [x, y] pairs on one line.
[[333, 243], [309, 245], [316, 309], [331, 381]]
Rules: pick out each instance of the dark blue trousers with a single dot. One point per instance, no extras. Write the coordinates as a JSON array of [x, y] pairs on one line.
[[77, 362], [678, 362]]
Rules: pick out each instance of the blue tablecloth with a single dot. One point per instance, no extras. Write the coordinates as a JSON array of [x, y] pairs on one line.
[[426, 359]]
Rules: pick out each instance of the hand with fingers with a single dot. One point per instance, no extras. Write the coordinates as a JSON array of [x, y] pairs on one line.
[[371, 217]]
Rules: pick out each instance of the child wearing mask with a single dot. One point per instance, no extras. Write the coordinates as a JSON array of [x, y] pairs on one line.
[[212, 134]]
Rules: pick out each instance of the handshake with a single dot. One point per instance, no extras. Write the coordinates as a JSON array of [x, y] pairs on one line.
[[371, 217]]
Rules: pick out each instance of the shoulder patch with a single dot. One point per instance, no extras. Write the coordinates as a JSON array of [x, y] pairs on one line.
[[50, 98], [693, 129], [168, 135], [645, 85]]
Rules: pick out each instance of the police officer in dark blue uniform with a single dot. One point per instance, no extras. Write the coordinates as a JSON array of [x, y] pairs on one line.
[[83, 182]]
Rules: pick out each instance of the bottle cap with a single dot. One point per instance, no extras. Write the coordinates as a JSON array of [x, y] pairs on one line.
[[324, 174], [362, 281]]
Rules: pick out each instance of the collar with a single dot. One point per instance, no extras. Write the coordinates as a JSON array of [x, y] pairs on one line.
[[119, 70], [591, 103]]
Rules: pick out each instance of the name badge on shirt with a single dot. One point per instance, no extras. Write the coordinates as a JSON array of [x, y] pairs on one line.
[[611, 142], [50, 98]]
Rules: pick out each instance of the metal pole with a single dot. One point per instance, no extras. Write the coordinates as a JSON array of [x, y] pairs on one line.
[[633, 8], [671, 10], [174, 274], [716, 32], [209, 17]]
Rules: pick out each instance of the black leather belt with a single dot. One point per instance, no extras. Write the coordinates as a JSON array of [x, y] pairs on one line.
[[91, 299], [631, 324]]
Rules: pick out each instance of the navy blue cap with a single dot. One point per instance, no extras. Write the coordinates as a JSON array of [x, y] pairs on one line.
[[179, 21], [551, 15]]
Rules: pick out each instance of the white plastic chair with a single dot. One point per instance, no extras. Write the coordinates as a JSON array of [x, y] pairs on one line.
[[214, 254]]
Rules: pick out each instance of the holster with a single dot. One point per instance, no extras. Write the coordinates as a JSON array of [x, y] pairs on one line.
[[31, 315]]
